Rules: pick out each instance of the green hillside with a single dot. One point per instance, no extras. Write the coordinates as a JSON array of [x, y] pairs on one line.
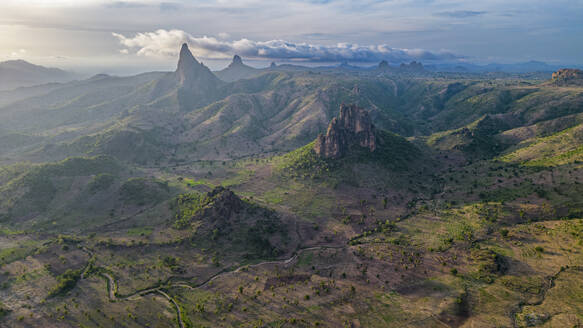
[[177, 199]]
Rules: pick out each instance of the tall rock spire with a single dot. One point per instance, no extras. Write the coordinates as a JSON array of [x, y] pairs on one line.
[[197, 84], [352, 126]]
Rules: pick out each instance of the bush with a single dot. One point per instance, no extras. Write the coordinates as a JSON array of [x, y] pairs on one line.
[[143, 191], [66, 282], [101, 182], [3, 310]]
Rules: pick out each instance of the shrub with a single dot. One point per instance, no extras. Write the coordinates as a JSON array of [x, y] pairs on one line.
[[66, 282]]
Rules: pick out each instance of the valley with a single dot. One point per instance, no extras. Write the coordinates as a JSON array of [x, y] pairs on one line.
[[293, 197]]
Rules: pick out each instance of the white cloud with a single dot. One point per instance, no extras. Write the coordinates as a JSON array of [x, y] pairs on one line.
[[167, 43], [18, 53]]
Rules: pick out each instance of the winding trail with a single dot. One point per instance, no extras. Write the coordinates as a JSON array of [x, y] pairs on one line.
[[543, 293], [159, 289], [178, 311]]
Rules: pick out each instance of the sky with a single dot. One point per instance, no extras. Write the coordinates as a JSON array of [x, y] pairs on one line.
[[133, 36]]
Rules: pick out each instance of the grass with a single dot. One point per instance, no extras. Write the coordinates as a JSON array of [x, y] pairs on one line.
[[441, 263], [140, 231]]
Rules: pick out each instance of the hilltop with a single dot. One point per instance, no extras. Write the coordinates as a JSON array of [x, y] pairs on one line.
[[567, 76], [20, 73], [380, 196], [237, 70]]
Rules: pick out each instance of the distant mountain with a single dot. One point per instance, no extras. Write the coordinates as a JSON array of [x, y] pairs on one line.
[[196, 81], [526, 67], [20, 73], [237, 70]]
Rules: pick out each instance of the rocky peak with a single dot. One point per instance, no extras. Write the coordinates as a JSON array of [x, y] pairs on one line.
[[352, 127], [567, 76], [237, 60], [412, 66], [383, 65], [189, 69], [197, 85], [221, 203], [273, 65], [186, 61]]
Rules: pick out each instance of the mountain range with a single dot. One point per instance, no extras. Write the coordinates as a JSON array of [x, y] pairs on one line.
[[338, 196], [19, 73]]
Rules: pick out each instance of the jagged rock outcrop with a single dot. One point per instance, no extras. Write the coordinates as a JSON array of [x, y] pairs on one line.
[[412, 67], [567, 76], [237, 60], [353, 126], [221, 203], [238, 225], [190, 73], [197, 85]]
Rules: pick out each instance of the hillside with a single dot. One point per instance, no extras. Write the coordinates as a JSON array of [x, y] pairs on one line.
[[20, 73], [237, 70], [337, 197]]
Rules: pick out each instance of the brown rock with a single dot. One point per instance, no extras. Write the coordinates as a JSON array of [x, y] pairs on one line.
[[222, 202], [352, 127], [567, 76]]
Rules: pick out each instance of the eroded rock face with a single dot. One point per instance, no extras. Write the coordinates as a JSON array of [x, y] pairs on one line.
[[352, 127], [222, 203], [197, 85], [568, 76], [189, 70]]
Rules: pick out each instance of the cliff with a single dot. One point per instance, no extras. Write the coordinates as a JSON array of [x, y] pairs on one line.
[[352, 127]]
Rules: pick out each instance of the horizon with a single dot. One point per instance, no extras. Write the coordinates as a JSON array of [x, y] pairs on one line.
[[128, 37]]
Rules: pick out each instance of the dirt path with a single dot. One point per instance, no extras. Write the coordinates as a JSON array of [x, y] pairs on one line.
[[112, 285], [178, 311], [544, 292]]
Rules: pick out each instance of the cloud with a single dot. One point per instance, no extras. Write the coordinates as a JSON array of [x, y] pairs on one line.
[[125, 4], [19, 53], [461, 13], [169, 6], [167, 43]]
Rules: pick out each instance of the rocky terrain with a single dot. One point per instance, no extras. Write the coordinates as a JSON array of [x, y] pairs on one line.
[[353, 126], [567, 77], [237, 70], [292, 197]]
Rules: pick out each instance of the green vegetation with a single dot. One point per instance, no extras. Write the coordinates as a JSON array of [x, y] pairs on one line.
[[304, 162], [473, 218], [101, 182], [3, 310], [66, 282], [186, 206], [393, 153], [142, 191]]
